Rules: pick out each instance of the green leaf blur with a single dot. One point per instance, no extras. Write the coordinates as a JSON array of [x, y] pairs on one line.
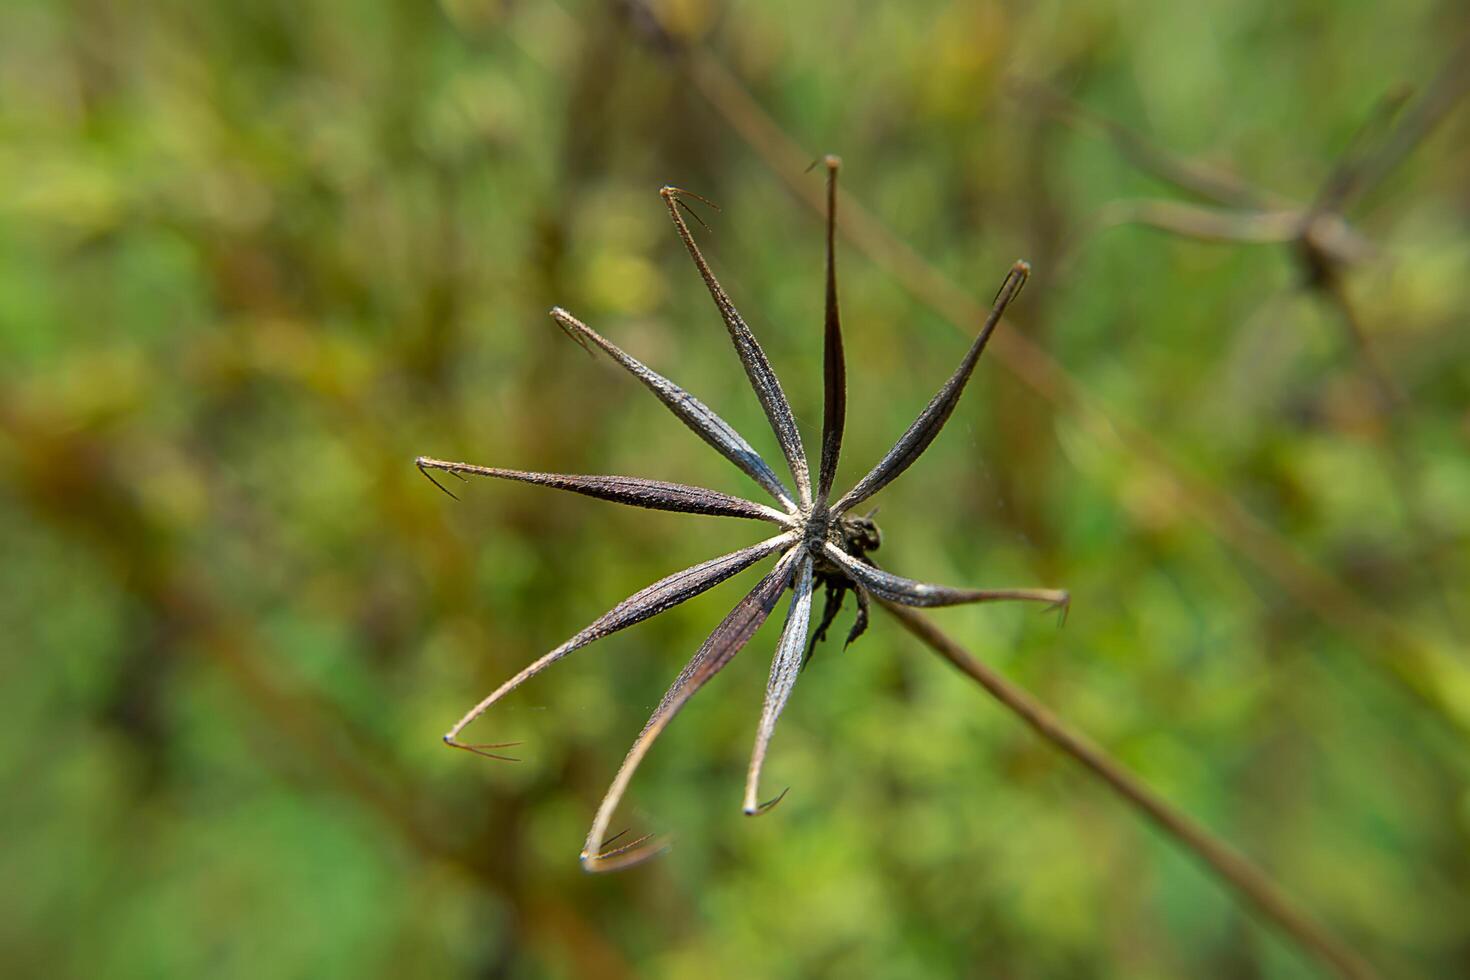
[[256, 257]]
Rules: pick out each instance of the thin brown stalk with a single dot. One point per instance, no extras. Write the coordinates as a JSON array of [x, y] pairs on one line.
[[1191, 176], [1393, 439], [1222, 861]]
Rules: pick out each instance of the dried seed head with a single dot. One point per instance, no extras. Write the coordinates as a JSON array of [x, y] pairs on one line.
[[819, 545]]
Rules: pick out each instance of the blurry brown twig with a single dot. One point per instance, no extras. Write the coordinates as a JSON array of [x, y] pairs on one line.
[[1247, 880], [1243, 212], [1238, 212], [1200, 179], [1324, 242]]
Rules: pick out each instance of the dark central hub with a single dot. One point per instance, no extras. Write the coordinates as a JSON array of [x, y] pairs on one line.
[[855, 535], [818, 527]]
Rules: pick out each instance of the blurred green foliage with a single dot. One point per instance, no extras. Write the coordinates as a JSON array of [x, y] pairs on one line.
[[255, 257]]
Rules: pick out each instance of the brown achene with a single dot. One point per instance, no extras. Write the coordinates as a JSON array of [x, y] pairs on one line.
[[818, 541]]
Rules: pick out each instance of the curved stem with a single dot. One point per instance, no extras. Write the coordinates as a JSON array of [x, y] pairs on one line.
[[1220, 859]]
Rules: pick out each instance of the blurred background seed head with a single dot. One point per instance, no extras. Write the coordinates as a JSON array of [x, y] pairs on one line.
[[254, 258]]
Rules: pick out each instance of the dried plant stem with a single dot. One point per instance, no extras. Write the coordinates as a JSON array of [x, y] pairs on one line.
[[1405, 473], [1248, 881], [1418, 664], [1325, 246]]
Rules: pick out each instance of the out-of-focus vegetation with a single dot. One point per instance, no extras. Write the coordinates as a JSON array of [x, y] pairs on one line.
[[255, 257]]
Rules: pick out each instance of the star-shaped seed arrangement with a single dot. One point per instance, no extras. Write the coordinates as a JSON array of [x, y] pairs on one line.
[[820, 541]]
